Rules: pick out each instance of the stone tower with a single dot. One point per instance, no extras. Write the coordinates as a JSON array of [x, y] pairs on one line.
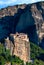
[[21, 46]]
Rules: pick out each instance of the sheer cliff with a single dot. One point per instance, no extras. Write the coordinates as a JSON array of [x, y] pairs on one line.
[[24, 18]]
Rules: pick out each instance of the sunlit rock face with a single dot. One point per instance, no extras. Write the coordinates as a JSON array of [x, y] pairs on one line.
[[20, 46], [23, 19], [11, 10]]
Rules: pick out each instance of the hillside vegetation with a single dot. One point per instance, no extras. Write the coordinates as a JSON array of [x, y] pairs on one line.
[[36, 51]]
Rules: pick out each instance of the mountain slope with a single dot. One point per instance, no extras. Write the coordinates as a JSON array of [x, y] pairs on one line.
[[22, 18]]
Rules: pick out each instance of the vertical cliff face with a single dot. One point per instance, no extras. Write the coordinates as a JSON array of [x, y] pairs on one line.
[[37, 11], [19, 47], [24, 18]]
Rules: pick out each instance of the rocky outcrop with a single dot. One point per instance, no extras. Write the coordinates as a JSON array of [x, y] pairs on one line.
[[9, 45], [20, 46], [11, 10]]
